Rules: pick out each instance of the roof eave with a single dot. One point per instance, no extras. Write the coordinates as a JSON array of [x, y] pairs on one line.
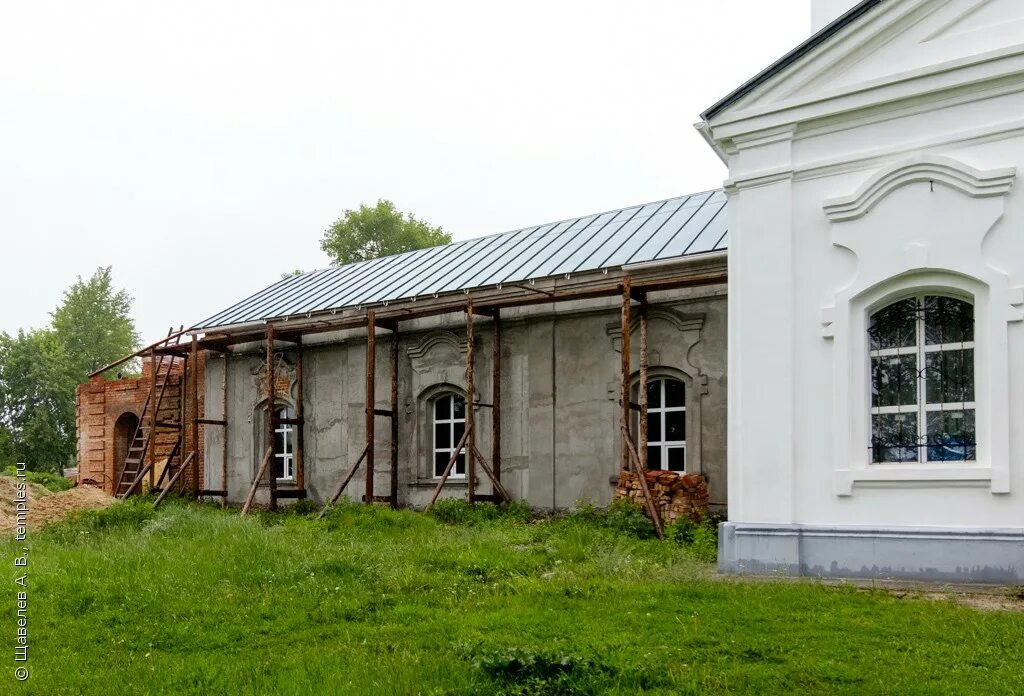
[[826, 33]]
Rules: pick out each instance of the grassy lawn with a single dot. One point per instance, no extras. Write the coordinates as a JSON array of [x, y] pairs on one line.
[[193, 599]]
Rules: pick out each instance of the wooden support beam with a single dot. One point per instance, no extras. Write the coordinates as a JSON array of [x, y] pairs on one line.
[[448, 469], [288, 421], [211, 421], [138, 480], [196, 484], [154, 406], [271, 407], [227, 431], [496, 396], [498, 488], [300, 413], [371, 373], [386, 412], [174, 479], [470, 405], [260, 473], [344, 482], [394, 416], [163, 474], [299, 493], [642, 387], [652, 509], [624, 369]]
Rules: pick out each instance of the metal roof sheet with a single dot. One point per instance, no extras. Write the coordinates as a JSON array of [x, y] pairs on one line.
[[681, 226]]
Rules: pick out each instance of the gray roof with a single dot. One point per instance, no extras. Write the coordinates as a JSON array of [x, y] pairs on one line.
[[682, 226]]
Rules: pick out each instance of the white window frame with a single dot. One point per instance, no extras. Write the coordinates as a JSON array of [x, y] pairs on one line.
[[287, 457], [922, 408], [450, 421], [661, 411]]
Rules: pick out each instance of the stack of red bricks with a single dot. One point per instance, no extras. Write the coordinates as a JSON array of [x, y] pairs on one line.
[[675, 494]]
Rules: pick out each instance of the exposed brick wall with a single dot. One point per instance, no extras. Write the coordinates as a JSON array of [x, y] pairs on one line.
[[100, 403]]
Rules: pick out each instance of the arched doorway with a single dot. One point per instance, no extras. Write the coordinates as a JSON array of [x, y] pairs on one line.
[[124, 430]]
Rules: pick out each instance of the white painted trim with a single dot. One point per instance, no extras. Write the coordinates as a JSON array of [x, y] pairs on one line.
[[933, 168]]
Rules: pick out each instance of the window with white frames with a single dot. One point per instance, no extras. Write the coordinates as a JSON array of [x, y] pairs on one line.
[[449, 426], [666, 424], [922, 381], [284, 446]]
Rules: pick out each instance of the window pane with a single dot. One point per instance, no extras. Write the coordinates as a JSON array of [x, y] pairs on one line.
[[654, 394], [950, 376], [894, 437], [459, 429], [894, 326], [677, 459], [654, 427], [442, 435], [894, 380], [675, 426], [440, 462], [951, 436], [948, 320], [460, 406], [675, 393], [654, 457], [443, 408], [460, 465], [279, 467], [278, 442]]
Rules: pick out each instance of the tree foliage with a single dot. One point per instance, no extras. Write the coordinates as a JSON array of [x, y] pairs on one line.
[[40, 368], [382, 230], [94, 323]]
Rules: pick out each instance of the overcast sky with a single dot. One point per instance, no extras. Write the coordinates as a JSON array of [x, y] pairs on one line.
[[201, 148]]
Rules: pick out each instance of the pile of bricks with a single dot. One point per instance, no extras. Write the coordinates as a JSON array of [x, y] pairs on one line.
[[675, 494]]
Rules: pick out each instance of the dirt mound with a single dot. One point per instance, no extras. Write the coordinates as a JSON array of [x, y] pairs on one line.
[[45, 506]]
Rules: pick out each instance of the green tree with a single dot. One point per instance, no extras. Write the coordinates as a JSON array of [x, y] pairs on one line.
[[382, 230], [94, 323], [39, 370], [38, 383]]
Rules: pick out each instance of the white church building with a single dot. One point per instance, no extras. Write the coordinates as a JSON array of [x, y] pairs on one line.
[[876, 296]]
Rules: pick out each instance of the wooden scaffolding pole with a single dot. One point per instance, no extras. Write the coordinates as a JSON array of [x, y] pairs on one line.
[[371, 370], [271, 393], [224, 439], [642, 387], [394, 416], [196, 415], [300, 415], [496, 399], [153, 408], [470, 406], [625, 370]]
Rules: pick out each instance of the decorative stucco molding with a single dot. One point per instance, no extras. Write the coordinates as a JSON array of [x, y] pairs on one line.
[[935, 169], [435, 338]]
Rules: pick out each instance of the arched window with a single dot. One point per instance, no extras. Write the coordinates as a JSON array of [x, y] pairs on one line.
[[449, 425], [922, 381], [284, 445], [666, 424]]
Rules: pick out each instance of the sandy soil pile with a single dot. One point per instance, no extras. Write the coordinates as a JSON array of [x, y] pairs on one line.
[[44, 506]]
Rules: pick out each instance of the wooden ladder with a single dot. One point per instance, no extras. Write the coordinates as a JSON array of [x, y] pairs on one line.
[[144, 435]]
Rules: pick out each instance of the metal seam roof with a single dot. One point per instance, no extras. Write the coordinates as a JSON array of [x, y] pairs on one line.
[[676, 227]]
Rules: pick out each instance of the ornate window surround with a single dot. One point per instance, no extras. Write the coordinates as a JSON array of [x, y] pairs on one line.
[[897, 256]]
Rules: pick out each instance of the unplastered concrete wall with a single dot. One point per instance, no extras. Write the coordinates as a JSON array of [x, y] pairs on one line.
[[559, 399]]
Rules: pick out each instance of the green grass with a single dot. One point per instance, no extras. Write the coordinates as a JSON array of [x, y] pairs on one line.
[[195, 600], [50, 481]]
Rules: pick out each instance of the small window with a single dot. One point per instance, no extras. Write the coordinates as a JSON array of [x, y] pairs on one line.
[[449, 426], [666, 424], [922, 381], [284, 446]]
